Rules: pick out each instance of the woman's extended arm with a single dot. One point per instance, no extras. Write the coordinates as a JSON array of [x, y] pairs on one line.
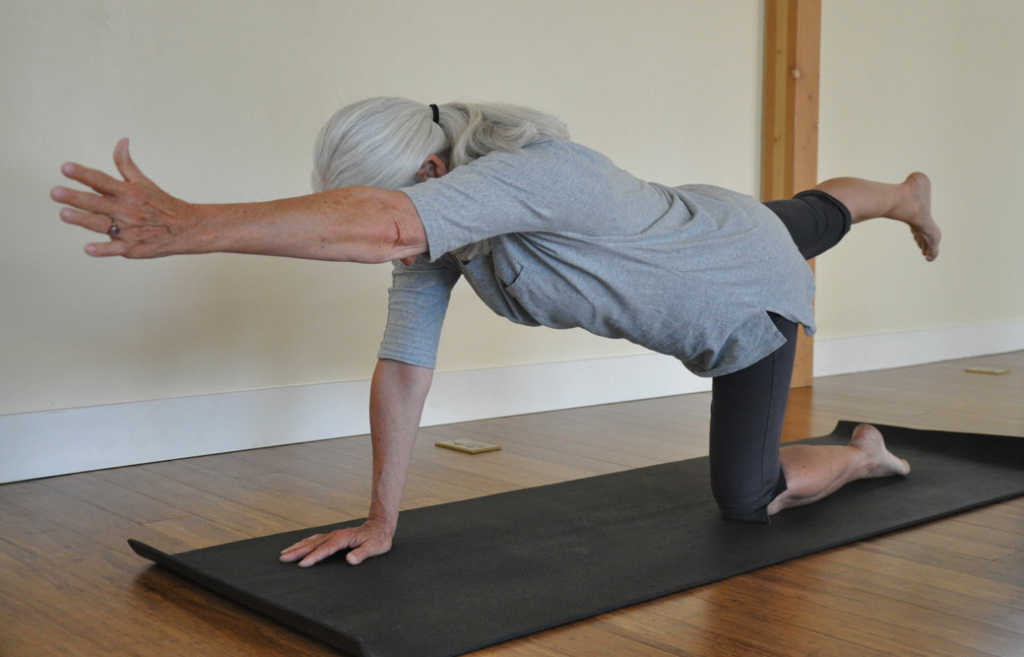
[[397, 394], [354, 224]]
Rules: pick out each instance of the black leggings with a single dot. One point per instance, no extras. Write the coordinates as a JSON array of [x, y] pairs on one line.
[[748, 406]]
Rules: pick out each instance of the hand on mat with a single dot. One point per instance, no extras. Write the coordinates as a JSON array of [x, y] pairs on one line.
[[370, 539], [143, 221]]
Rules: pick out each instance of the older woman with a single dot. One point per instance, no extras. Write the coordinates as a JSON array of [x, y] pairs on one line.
[[550, 233]]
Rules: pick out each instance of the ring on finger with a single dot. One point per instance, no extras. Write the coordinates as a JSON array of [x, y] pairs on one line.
[[114, 229]]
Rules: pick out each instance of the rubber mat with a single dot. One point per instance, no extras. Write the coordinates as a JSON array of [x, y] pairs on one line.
[[465, 575]]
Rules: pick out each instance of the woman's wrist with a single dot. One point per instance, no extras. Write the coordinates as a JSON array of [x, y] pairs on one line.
[[204, 229], [387, 520]]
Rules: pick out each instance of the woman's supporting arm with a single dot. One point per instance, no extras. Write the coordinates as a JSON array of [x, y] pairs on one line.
[[353, 224], [397, 394]]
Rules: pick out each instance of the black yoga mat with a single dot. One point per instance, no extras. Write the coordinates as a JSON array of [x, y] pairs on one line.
[[465, 575]]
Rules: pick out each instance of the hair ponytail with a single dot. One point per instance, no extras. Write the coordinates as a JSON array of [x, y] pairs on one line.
[[381, 142], [474, 130]]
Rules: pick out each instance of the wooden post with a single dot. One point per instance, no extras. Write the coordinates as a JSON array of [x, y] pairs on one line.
[[789, 120]]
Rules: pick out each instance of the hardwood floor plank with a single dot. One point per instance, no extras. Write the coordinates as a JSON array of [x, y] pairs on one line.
[[1001, 570], [196, 532], [230, 465], [1006, 517], [957, 544], [516, 446], [584, 638], [116, 499], [56, 612], [577, 441], [480, 472], [825, 572], [344, 504], [774, 624], [510, 461], [956, 526], [81, 518], [24, 531], [1013, 564], [248, 521], [530, 646], [979, 578], [356, 483], [693, 637], [245, 493], [336, 467], [949, 629], [865, 620]]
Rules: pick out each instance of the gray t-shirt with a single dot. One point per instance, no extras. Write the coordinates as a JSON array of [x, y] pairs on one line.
[[688, 271]]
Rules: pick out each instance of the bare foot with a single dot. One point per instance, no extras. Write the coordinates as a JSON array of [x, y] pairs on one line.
[[917, 214], [880, 462]]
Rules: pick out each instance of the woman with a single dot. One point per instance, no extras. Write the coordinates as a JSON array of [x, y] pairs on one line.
[[550, 233]]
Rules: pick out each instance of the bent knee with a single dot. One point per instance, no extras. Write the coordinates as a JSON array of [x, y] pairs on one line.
[[748, 503], [757, 512]]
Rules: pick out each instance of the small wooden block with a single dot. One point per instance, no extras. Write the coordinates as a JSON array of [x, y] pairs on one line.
[[986, 370], [468, 446]]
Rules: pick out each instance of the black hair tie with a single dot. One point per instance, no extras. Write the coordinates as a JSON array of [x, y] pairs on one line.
[[437, 113]]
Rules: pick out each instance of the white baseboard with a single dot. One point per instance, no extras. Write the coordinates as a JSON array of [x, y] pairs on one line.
[[50, 443], [59, 442], [887, 350]]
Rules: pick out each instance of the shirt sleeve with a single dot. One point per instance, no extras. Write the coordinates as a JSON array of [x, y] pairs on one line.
[[417, 303], [549, 186]]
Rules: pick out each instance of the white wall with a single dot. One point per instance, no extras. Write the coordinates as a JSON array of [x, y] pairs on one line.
[[222, 101], [935, 85]]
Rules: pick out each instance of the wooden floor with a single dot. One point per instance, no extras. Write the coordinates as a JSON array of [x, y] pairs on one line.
[[70, 585]]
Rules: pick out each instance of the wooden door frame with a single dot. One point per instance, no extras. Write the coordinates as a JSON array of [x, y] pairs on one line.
[[789, 118]]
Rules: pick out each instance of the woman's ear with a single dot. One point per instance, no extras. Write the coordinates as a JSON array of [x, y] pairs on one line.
[[432, 167]]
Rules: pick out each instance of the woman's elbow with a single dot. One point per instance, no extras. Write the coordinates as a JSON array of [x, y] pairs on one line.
[[399, 232], [396, 242]]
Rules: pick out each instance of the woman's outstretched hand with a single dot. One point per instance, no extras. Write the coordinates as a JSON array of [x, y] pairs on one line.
[[370, 539], [143, 221]]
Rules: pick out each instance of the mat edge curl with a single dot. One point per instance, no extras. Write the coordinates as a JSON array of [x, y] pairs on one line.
[[337, 639]]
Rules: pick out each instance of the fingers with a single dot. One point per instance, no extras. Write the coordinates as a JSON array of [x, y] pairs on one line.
[[318, 547], [99, 223], [370, 548], [112, 199], [93, 203], [98, 180], [325, 549], [302, 548], [107, 249], [125, 164]]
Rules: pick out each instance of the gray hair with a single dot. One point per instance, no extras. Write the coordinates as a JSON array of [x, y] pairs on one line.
[[382, 142]]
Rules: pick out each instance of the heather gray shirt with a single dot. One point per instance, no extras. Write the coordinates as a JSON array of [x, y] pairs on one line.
[[688, 271]]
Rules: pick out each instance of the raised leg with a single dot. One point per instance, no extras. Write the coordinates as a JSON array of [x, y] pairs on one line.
[[816, 471], [909, 202]]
